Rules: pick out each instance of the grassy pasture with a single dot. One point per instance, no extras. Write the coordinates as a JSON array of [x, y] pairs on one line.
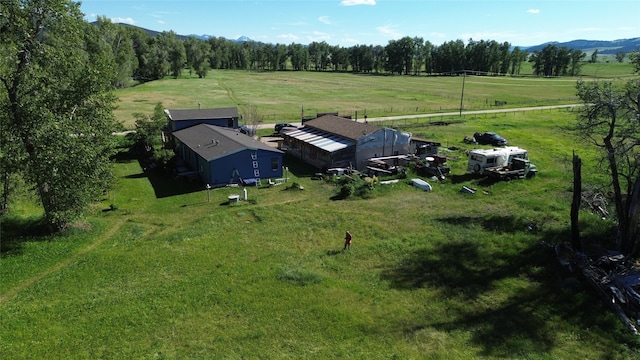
[[436, 275], [281, 96]]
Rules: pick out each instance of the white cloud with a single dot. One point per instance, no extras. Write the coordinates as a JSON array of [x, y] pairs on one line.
[[324, 20], [117, 20], [389, 30], [318, 36], [357, 2], [533, 11], [350, 40], [287, 37]]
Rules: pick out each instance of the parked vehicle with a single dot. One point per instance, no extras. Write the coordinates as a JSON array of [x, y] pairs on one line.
[[489, 138], [278, 128], [481, 159], [247, 130], [518, 169]]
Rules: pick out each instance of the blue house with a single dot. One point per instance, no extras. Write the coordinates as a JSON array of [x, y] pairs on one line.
[[223, 117], [223, 156]]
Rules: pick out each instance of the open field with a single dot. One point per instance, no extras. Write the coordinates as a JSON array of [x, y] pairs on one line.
[[436, 275], [281, 96]]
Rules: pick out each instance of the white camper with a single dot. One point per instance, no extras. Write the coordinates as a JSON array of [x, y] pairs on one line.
[[480, 159]]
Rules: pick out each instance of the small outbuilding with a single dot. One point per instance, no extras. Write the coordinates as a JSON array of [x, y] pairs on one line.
[[423, 147], [184, 118], [331, 141], [223, 156]]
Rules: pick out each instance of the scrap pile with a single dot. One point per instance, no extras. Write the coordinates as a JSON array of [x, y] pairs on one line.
[[615, 277]]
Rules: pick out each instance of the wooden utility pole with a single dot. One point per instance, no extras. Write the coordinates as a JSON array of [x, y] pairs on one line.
[[464, 76]]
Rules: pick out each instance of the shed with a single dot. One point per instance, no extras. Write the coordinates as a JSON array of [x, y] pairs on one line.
[[223, 156], [331, 141], [424, 147]]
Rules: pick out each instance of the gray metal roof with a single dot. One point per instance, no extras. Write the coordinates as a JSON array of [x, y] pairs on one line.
[[213, 142], [323, 140], [340, 126], [202, 114]]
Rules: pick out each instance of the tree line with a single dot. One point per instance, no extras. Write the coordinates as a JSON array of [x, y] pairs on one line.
[[144, 57]]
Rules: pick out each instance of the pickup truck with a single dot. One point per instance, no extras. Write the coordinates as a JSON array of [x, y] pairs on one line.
[[518, 169]]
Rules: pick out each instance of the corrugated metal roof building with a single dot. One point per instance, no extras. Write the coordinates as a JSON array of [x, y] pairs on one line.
[[332, 141]]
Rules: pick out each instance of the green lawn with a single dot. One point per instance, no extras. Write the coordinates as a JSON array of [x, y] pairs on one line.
[[438, 275], [281, 96]]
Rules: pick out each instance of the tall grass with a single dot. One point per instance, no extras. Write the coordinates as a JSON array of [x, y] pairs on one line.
[[282, 96], [441, 274]]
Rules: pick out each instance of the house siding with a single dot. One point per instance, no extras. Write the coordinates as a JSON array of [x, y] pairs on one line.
[[183, 124], [245, 164]]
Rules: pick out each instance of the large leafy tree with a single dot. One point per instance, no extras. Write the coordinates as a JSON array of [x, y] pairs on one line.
[[173, 47], [400, 55], [197, 52], [635, 60], [56, 73], [149, 128], [121, 42], [299, 57], [556, 61], [610, 120]]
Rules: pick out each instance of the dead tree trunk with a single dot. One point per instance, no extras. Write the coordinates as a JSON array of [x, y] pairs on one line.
[[634, 216], [575, 205]]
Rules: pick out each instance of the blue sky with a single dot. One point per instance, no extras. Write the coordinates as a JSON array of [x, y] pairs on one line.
[[375, 22]]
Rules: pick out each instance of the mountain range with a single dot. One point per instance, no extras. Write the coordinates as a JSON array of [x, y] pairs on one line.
[[604, 47], [589, 46]]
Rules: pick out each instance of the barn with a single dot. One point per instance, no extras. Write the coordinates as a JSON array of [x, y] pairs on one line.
[[222, 156], [331, 141]]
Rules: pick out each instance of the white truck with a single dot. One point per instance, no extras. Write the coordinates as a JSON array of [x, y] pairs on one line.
[[487, 161]]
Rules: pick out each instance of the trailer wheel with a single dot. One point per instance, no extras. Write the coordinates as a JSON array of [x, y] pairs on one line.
[[476, 168]]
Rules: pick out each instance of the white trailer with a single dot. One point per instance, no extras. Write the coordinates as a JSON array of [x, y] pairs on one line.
[[480, 159]]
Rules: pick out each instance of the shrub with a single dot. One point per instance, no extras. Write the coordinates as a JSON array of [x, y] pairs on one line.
[[355, 186], [163, 157]]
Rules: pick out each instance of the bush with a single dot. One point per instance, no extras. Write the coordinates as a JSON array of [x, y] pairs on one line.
[[163, 157], [355, 186]]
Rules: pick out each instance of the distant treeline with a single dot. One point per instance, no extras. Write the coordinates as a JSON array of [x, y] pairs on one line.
[[144, 57]]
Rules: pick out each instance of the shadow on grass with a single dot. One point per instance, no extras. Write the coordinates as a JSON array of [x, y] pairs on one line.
[[522, 321], [17, 230], [457, 179], [334, 252], [165, 185], [480, 179]]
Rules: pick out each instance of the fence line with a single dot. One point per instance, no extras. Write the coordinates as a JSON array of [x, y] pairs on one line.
[[451, 119], [406, 110]]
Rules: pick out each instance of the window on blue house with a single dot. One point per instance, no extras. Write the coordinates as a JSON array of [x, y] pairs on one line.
[[275, 164]]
